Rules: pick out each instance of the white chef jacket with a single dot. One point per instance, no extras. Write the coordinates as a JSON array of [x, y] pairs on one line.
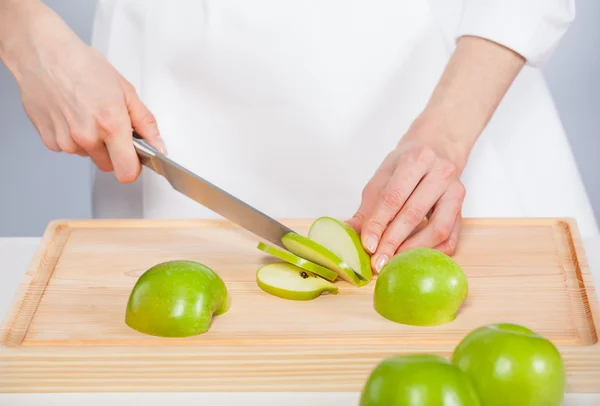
[[291, 105]]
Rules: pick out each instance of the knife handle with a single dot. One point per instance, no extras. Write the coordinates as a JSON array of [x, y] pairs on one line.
[[143, 148]]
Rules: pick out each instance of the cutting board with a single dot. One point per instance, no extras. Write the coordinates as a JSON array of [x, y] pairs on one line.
[[66, 332]]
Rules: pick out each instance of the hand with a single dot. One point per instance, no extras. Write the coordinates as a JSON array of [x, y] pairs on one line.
[[76, 100], [414, 199]]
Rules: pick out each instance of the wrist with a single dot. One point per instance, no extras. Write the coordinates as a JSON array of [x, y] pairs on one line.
[[433, 127], [474, 82], [19, 21]]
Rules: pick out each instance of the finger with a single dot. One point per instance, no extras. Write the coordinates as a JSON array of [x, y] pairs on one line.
[[370, 194], [48, 140], [410, 216], [45, 129], [442, 221], [119, 143], [101, 158], [143, 121], [449, 246], [404, 180], [90, 144], [64, 136]]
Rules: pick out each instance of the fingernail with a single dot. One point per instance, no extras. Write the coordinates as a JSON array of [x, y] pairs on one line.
[[163, 147], [371, 243], [381, 261]]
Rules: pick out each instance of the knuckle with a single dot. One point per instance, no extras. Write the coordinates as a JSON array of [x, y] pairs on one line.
[[448, 170], [128, 87], [106, 119], [51, 144], [392, 198], [424, 155], [68, 145], [375, 226], [358, 216], [441, 231], [78, 136], [449, 247], [461, 191], [148, 119], [391, 243], [414, 215]]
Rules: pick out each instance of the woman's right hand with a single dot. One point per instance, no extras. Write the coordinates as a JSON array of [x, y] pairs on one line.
[[78, 102]]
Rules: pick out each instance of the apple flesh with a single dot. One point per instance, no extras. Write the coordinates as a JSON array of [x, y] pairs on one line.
[[291, 282], [418, 380], [341, 239], [512, 365], [314, 252], [300, 262], [176, 299], [421, 287]]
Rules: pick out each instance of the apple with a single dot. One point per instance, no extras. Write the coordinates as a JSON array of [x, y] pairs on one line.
[[420, 287], [418, 380], [291, 282], [176, 299], [300, 262], [512, 365], [315, 252], [343, 241]]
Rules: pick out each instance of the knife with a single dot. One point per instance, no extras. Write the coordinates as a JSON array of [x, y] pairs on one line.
[[210, 195]]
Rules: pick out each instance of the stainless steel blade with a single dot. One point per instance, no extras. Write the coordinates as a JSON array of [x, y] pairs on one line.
[[210, 195]]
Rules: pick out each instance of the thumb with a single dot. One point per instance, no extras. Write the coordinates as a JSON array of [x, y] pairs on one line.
[[143, 121]]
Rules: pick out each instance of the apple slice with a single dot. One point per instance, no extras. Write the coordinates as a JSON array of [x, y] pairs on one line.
[[291, 282], [343, 241], [313, 251], [300, 262]]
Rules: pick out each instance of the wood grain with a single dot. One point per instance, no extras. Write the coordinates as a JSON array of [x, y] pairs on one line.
[[66, 331]]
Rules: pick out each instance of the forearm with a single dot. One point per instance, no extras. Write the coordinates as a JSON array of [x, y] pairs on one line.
[[474, 82]]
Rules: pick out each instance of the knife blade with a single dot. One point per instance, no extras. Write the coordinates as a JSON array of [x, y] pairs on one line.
[[209, 195]]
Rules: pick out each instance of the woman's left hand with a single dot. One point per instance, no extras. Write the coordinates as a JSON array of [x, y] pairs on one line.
[[418, 181], [415, 198]]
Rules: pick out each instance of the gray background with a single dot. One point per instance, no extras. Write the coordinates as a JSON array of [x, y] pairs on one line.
[[58, 185]]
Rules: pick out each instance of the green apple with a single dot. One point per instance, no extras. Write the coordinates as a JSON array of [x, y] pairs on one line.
[[291, 282], [315, 252], [418, 380], [512, 365], [341, 239], [421, 287], [296, 260], [176, 299]]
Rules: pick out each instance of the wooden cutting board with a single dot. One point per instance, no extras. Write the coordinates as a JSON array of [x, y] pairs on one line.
[[66, 330]]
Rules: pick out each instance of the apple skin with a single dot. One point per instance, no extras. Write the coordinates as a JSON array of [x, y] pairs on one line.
[[176, 299], [312, 251], [421, 287], [355, 256], [290, 258], [512, 365], [418, 380], [291, 282]]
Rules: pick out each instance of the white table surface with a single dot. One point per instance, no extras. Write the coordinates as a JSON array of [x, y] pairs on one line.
[[15, 254]]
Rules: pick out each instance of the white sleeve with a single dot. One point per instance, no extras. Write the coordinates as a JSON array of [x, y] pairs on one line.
[[532, 28]]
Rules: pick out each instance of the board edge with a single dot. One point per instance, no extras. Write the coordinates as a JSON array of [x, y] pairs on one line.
[[14, 315]]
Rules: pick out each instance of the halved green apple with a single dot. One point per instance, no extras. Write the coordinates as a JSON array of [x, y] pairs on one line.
[[176, 298], [311, 250], [300, 262], [291, 282], [344, 241]]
